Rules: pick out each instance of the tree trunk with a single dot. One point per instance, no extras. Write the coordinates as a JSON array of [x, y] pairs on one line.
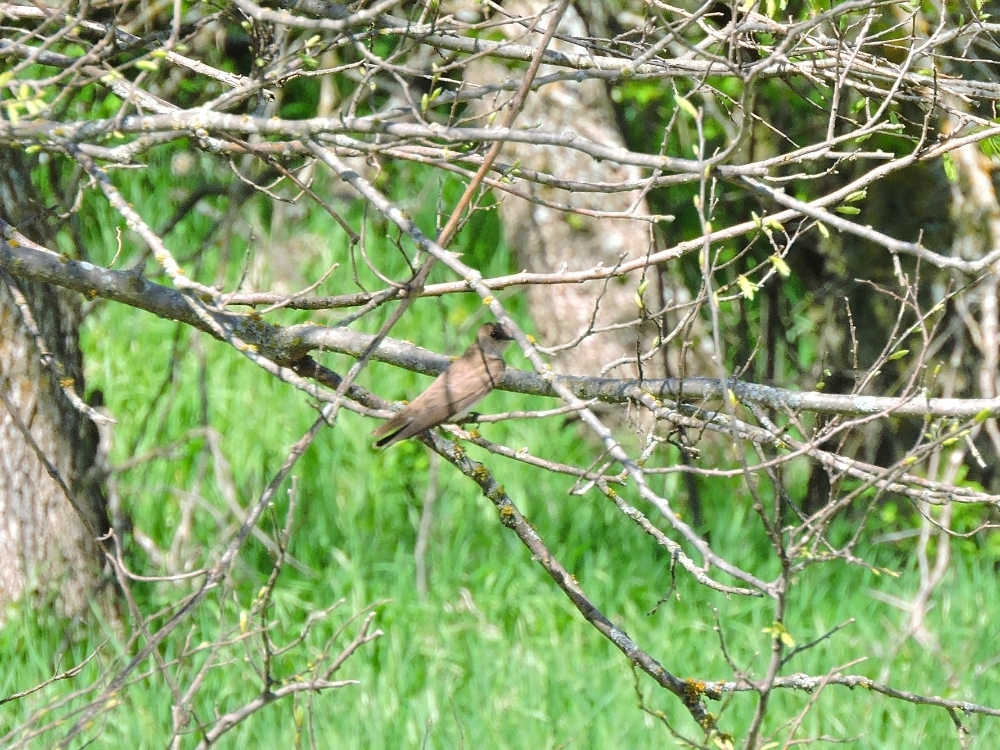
[[604, 317], [49, 553]]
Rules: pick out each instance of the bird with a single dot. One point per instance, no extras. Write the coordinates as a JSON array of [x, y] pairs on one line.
[[460, 387]]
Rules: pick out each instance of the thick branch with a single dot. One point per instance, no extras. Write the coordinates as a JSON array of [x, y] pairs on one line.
[[23, 259], [809, 684]]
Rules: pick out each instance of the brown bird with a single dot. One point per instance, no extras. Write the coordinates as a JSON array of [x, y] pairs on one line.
[[464, 384]]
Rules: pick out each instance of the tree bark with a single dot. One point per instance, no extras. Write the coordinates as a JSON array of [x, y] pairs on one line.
[[51, 514], [546, 240]]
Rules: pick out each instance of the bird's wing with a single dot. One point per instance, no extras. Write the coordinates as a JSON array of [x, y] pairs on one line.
[[456, 390], [463, 385], [393, 424]]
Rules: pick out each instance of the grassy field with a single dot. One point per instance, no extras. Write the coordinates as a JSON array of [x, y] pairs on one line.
[[494, 656]]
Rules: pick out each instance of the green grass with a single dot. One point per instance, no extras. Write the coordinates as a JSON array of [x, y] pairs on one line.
[[496, 657]]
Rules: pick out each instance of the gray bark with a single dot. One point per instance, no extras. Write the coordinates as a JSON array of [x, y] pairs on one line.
[[48, 548], [547, 240]]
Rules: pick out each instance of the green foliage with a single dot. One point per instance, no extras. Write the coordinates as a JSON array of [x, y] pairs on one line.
[[300, 99], [495, 656]]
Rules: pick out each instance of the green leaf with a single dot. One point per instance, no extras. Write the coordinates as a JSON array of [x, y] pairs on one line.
[[780, 266], [950, 171], [778, 630], [989, 146], [848, 210], [746, 286], [686, 106]]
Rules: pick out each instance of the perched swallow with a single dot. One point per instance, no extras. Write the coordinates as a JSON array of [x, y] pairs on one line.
[[464, 384]]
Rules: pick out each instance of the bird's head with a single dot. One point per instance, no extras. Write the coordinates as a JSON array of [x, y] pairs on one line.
[[493, 338]]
